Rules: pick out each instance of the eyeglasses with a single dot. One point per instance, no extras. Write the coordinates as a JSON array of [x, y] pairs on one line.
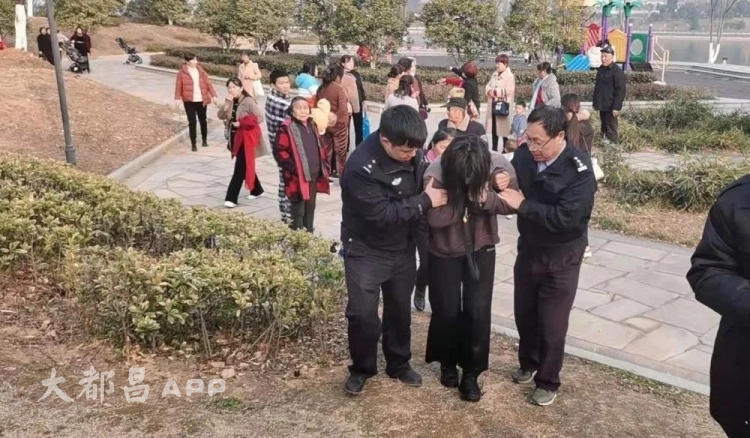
[[533, 146]]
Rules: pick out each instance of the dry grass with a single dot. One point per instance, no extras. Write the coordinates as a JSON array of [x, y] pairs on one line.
[[595, 401], [647, 221], [110, 128], [145, 37]]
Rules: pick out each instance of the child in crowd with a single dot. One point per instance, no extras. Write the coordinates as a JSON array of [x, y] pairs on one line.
[[299, 152], [277, 104], [518, 127]]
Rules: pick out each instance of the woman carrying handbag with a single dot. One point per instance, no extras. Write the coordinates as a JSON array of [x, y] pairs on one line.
[[249, 74], [501, 96]]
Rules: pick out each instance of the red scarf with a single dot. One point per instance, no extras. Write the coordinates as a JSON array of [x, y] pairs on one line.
[[248, 134]]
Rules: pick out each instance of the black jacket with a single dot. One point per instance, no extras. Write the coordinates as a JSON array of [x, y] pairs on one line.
[[281, 46], [471, 88], [382, 199], [720, 278], [609, 90], [559, 200], [360, 88]]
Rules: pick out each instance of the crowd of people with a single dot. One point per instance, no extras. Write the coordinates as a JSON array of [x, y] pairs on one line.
[[403, 196]]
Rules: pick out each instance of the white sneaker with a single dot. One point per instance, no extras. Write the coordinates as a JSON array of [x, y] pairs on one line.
[[587, 252], [228, 204], [251, 197]]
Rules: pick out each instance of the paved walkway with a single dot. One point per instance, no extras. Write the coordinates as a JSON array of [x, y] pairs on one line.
[[634, 309]]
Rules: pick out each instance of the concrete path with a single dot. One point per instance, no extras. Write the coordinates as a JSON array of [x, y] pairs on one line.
[[634, 309]]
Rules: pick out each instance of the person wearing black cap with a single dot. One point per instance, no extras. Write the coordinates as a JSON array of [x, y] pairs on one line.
[[383, 206], [554, 208], [609, 93], [459, 120]]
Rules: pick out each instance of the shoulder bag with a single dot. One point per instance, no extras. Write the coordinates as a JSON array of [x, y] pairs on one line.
[[468, 228]]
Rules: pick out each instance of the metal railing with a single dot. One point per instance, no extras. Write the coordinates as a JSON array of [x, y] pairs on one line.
[[663, 57]]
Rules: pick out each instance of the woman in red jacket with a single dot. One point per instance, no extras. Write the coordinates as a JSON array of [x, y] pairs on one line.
[[195, 90], [300, 154]]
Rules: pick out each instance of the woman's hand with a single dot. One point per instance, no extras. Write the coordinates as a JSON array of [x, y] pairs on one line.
[[236, 124], [441, 81], [177, 103]]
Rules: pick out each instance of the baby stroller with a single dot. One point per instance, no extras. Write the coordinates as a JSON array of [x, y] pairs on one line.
[[133, 57], [79, 63]]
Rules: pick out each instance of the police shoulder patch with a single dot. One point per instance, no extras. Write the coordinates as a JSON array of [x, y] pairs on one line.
[[580, 165]]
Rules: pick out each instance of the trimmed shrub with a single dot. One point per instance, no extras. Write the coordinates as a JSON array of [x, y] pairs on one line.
[[379, 75], [153, 272], [693, 184]]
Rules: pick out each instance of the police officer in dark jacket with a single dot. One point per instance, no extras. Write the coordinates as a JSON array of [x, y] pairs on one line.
[[609, 93], [720, 278], [554, 207], [381, 211]]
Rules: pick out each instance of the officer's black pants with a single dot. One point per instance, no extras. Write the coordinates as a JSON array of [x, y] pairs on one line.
[[459, 331], [546, 280], [609, 125], [367, 272]]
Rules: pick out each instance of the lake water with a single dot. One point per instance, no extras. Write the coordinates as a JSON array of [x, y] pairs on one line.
[[695, 49]]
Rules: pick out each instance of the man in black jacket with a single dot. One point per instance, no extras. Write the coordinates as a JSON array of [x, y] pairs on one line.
[[609, 94], [554, 208], [381, 210], [720, 278], [282, 45]]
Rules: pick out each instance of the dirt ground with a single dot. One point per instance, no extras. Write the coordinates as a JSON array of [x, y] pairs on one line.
[[37, 333], [651, 222], [109, 128], [145, 37]]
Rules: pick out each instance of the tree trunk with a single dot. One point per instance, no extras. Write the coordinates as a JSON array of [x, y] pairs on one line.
[[713, 55], [170, 21]]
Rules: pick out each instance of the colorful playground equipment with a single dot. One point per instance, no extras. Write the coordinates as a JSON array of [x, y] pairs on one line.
[[634, 50]]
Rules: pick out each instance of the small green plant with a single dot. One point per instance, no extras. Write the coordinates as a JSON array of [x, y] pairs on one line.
[[225, 404]]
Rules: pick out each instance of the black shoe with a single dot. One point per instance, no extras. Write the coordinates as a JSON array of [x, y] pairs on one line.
[[205, 145], [449, 376], [469, 388], [408, 377], [419, 299], [194, 148], [355, 383]]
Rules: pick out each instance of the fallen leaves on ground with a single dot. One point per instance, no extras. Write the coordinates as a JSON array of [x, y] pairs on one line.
[[109, 128]]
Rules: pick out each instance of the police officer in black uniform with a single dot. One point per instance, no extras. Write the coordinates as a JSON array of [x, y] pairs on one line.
[[720, 278], [554, 207], [382, 206]]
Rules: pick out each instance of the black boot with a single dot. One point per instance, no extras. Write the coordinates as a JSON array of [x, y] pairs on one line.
[[419, 299], [355, 383], [449, 376], [194, 148], [469, 388], [205, 143]]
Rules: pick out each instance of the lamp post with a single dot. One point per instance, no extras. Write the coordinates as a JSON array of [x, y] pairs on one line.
[[70, 150]]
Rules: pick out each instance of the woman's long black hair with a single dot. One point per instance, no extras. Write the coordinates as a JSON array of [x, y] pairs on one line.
[[467, 167], [309, 67], [238, 82], [405, 86], [440, 135], [329, 76]]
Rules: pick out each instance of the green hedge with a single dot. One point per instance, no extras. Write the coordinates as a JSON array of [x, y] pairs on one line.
[[693, 184], [685, 125], [142, 270], [438, 93], [430, 75]]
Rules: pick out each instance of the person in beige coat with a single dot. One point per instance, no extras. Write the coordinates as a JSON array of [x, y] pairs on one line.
[[502, 87], [249, 74]]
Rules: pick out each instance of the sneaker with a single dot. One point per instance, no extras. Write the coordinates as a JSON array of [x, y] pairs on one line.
[[542, 397], [419, 299], [355, 383], [408, 377], [229, 204], [587, 252], [521, 376], [251, 197], [449, 376], [469, 388]]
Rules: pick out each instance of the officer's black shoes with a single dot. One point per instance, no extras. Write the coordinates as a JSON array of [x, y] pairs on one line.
[[469, 388], [449, 376], [419, 299], [408, 377], [521, 376], [355, 383]]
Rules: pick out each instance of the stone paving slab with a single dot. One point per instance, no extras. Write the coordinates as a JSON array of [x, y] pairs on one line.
[[633, 304]]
